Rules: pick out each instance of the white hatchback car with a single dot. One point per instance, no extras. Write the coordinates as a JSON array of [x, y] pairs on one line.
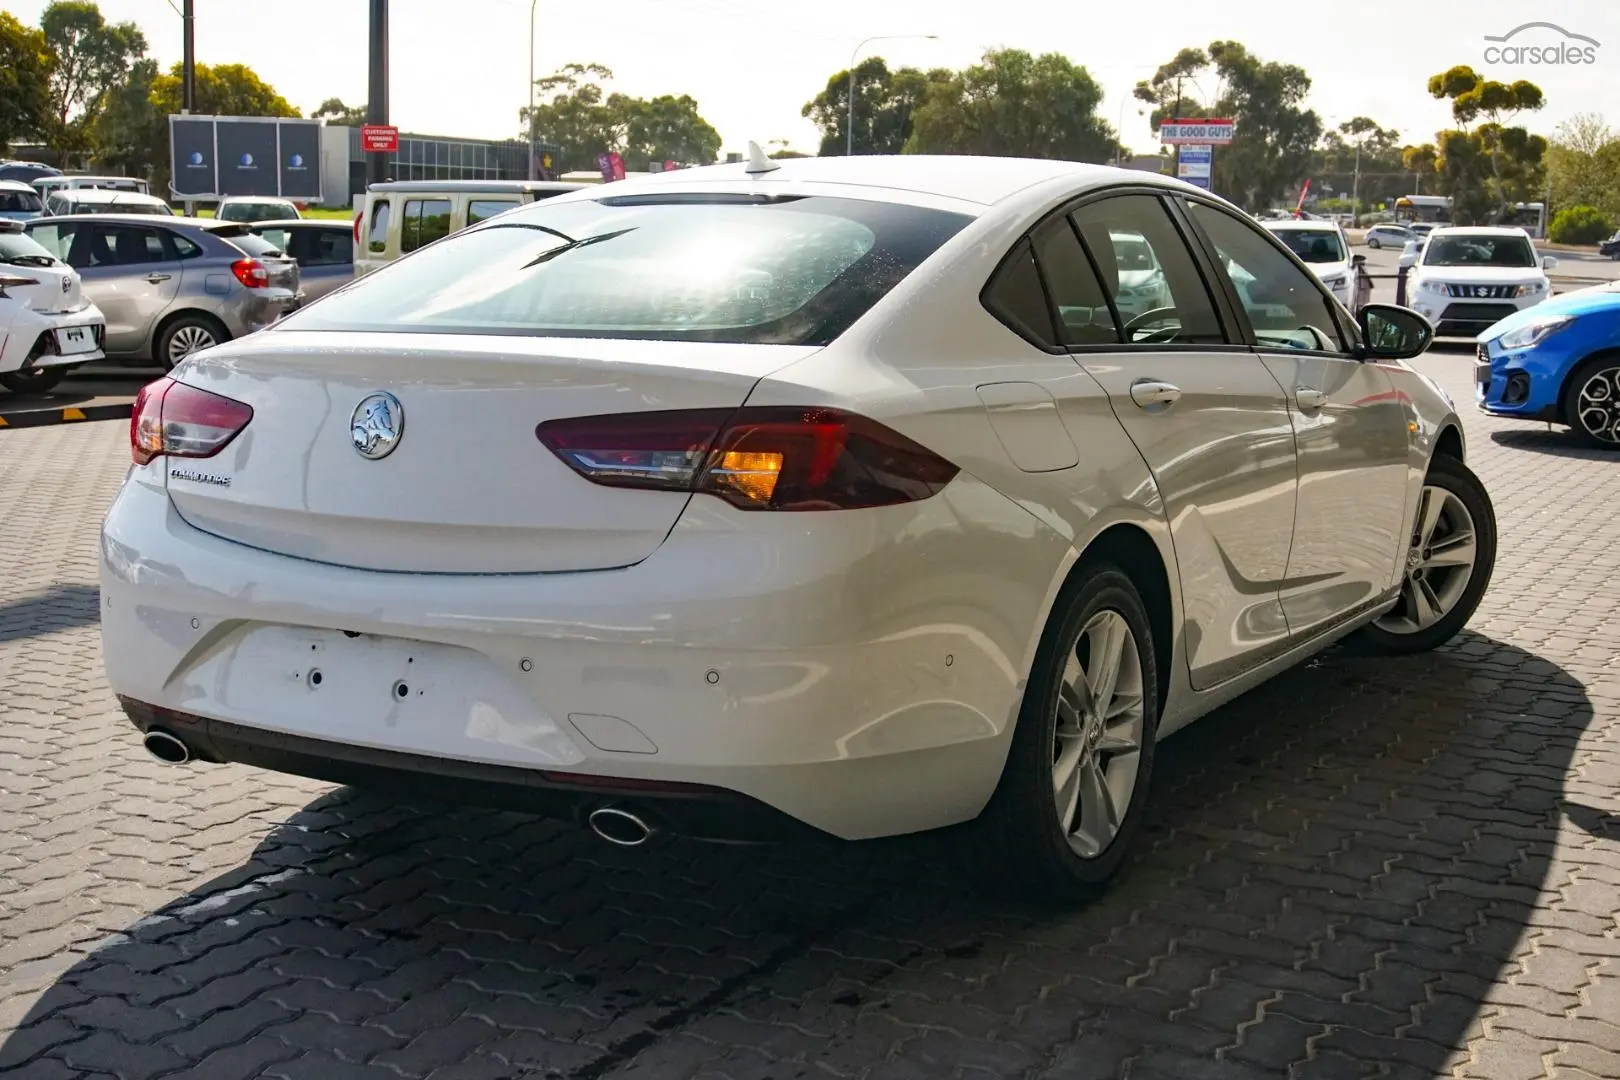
[[1322, 246], [47, 327], [835, 494]]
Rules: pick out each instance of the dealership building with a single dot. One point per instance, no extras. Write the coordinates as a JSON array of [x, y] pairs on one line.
[[420, 157]]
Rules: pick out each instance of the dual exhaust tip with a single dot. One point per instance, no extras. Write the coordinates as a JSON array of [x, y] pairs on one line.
[[617, 825]]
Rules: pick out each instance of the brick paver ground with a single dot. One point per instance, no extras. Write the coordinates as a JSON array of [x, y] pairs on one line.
[[1369, 868]]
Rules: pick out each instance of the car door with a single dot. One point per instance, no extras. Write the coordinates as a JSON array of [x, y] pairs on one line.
[[1208, 419], [1350, 426], [325, 257], [131, 274]]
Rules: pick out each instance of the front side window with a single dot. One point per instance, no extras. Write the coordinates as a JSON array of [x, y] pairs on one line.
[[1148, 271], [785, 271], [480, 209], [377, 234], [1480, 249], [425, 221], [1286, 306]]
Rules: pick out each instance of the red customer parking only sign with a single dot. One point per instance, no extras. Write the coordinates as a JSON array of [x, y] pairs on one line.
[[379, 138]]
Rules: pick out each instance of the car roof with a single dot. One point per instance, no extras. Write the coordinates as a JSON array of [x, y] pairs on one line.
[[67, 177], [477, 186], [17, 185], [106, 195], [1478, 230], [967, 183], [256, 198], [206, 224], [300, 223], [1292, 225]]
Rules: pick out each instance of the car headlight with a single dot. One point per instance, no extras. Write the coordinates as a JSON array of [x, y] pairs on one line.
[[1533, 332], [1337, 281], [1531, 289], [1432, 286]]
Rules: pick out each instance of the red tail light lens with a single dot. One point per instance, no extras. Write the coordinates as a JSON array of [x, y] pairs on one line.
[[359, 216], [251, 272], [173, 419], [760, 458]]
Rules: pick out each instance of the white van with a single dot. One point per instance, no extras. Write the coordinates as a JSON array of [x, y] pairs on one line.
[[402, 215]]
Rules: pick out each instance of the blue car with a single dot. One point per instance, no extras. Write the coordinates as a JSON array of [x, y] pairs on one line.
[[1558, 361]]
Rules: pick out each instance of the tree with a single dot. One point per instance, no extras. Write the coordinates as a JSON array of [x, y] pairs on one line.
[[1271, 149], [1579, 225], [1583, 165], [92, 56], [1362, 158], [885, 102], [26, 67], [223, 90], [334, 111], [1016, 105], [584, 119], [1168, 90], [667, 128], [1488, 168]]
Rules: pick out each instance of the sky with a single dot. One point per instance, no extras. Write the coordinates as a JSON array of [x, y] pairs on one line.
[[461, 68]]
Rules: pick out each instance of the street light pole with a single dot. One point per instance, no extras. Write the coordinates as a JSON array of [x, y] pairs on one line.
[[532, 174], [849, 129]]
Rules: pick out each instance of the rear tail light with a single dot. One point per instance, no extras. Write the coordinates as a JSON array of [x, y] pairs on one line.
[[173, 419], [359, 216], [756, 458], [251, 272]]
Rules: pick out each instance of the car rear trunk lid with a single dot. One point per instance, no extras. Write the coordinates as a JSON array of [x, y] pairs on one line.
[[468, 487]]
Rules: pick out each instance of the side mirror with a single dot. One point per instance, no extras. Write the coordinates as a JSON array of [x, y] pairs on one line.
[[1392, 333], [1409, 256], [1548, 262], [1358, 261]]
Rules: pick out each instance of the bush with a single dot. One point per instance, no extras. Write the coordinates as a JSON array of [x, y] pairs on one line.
[[1579, 225]]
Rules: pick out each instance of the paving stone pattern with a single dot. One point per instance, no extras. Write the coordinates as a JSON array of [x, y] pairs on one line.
[[1369, 868]]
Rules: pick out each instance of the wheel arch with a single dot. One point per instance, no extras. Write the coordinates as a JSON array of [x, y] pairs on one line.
[[1449, 443], [1132, 549], [169, 318]]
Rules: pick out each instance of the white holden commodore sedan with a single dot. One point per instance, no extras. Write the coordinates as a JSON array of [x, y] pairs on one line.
[[835, 495]]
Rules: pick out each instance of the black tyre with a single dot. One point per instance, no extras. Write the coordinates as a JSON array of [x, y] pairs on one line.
[[1591, 402], [1372, 242], [186, 335], [1449, 567], [1069, 803], [37, 381]]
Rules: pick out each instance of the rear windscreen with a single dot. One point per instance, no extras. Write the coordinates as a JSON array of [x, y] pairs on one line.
[[794, 271], [20, 202]]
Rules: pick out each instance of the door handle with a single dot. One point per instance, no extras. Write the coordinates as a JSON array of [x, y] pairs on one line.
[[1307, 397], [155, 278], [1148, 393]]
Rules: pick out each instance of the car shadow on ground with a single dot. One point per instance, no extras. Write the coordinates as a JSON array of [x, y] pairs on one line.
[[1337, 868], [1557, 441], [57, 608]]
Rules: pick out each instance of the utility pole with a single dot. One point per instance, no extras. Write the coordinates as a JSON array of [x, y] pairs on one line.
[[188, 73], [533, 164], [377, 98], [1355, 189]]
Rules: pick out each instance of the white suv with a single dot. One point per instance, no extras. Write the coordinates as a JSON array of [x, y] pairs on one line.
[[1465, 279], [1322, 246]]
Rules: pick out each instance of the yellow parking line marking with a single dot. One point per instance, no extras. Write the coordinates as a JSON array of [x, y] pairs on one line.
[[2, 421], [72, 414]]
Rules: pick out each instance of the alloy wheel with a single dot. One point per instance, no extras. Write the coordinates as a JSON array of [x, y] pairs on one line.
[[1097, 744], [1438, 565], [187, 340], [1597, 405]]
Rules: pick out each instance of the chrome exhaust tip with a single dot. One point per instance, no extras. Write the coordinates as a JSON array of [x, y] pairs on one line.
[[620, 827], [166, 748]]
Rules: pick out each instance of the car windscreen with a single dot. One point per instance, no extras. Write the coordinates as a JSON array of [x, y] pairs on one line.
[[20, 202], [1313, 245], [1485, 249], [135, 208], [756, 270], [20, 249], [258, 212]]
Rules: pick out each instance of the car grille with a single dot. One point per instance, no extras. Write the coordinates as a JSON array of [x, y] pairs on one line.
[[1486, 313], [1483, 292]]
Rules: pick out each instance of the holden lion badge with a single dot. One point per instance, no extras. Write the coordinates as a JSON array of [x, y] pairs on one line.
[[376, 426]]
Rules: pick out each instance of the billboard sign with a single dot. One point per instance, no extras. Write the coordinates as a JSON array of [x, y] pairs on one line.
[[1213, 132], [1195, 162], [214, 156]]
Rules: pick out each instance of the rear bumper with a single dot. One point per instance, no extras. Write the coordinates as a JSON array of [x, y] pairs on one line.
[[31, 341], [859, 679], [689, 810]]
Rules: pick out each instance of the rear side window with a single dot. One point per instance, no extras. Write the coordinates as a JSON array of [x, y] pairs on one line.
[[480, 209], [326, 247], [785, 271], [125, 245], [1016, 297], [1082, 310], [425, 221], [183, 248], [377, 233]]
